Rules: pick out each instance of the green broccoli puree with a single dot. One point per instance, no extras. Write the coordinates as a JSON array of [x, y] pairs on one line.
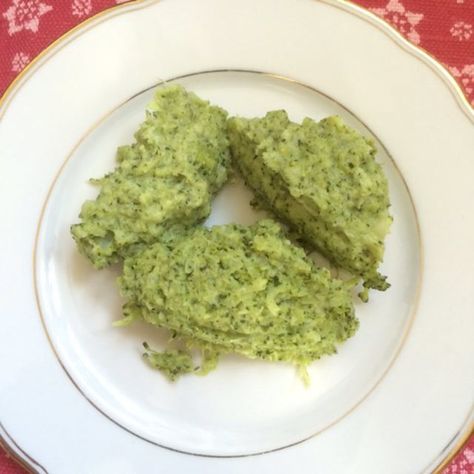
[[235, 288], [164, 181], [172, 363], [322, 179], [176, 362]]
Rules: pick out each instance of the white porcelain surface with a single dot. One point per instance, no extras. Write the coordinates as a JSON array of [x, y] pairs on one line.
[[426, 396]]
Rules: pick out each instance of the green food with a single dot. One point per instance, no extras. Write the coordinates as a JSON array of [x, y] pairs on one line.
[[176, 362], [322, 179], [163, 182], [172, 363], [234, 288]]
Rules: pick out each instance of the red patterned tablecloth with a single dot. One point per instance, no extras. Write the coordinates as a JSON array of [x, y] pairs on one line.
[[444, 28]]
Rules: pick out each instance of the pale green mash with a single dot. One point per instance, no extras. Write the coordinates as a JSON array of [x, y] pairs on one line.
[[322, 179], [235, 288], [165, 180]]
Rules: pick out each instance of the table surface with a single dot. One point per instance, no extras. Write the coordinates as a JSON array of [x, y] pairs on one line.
[[443, 28]]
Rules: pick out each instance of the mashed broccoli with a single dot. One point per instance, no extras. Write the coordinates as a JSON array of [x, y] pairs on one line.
[[165, 180], [234, 288], [321, 178]]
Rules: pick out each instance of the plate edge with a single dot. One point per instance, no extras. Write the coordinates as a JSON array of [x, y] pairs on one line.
[[417, 51], [347, 5], [15, 452], [55, 46]]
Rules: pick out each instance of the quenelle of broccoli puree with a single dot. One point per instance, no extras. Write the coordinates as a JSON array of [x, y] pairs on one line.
[[321, 178], [235, 288], [164, 180]]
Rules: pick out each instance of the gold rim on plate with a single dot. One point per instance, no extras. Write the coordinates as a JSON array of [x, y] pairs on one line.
[[406, 329]]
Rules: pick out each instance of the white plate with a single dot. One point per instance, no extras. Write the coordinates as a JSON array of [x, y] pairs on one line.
[[74, 390]]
